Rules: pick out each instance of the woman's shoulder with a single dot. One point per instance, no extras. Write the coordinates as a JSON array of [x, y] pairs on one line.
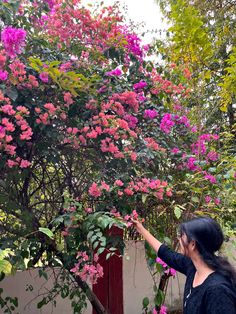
[[219, 296], [217, 285]]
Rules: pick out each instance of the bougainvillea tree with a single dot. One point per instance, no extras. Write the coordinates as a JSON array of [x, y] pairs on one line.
[[91, 135]]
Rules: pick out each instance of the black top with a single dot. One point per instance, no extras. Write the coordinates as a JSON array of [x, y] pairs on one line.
[[216, 295]]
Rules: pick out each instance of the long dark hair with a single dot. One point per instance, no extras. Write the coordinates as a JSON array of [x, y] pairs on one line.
[[209, 237]]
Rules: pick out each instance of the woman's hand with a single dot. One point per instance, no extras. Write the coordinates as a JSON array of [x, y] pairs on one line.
[[138, 225], [147, 235]]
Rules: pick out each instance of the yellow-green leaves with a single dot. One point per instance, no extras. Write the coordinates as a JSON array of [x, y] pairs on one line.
[[228, 86], [47, 231], [5, 265], [191, 41], [69, 81]]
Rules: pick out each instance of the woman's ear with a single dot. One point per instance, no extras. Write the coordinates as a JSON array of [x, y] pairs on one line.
[[193, 245]]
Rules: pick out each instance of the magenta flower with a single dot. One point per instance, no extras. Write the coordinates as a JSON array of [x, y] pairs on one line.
[[13, 40], [160, 261], [167, 123], [132, 121], [163, 309], [175, 150], [151, 114], [140, 85], [116, 72], [3, 75], [212, 155], [134, 45], [44, 77], [210, 178]]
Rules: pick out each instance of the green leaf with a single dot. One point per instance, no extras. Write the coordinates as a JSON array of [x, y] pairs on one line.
[[5, 267], [195, 199], [144, 198], [178, 212], [42, 273], [47, 231], [42, 303], [145, 302], [159, 298], [100, 250]]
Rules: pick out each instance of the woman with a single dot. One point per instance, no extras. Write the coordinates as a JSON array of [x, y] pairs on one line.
[[210, 286]]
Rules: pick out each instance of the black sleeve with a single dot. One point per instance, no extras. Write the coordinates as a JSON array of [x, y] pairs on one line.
[[220, 300], [175, 260]]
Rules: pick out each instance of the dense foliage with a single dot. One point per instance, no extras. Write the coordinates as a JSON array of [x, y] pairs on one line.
[[92, 135]]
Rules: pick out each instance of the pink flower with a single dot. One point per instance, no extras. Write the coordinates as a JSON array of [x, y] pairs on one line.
[[128, 192], [88, 210], [133, 156], [118, 183], [50, 107], [217, 201], [44, 77], [68, 98], [24, 163], [3, 75], [194, 129], [94, 190], [92, 134], [207, 199], [163, 309], [11, 163], [13, 40], [105, 186], [134, 214], [170, 272]]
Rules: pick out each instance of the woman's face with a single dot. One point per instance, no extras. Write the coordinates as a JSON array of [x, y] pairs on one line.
[[183, 244]]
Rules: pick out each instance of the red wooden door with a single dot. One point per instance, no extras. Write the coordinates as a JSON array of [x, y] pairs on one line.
[[109, 289]]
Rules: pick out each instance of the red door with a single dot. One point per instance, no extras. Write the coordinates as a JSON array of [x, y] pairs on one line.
[[109, 289]]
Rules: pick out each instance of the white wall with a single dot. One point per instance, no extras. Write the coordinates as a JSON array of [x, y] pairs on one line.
[[137, 283]]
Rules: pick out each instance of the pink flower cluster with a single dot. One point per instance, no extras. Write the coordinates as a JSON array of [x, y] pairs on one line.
[[96, 190], [152, 144], [153, 187], [87, 270], [13, 119], [67, 25], [167, 270], [208, 199], [13, 40], [160, 84], [118, 125], [163, 310], [134, 215]]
